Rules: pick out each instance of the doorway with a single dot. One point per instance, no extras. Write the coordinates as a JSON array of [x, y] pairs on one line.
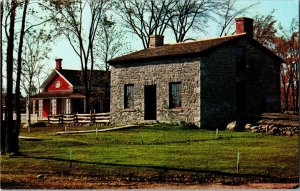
[[150, 102]]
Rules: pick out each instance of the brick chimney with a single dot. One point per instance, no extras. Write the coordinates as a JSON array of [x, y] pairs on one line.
[[156, 40], [58, 64], [244, 25]]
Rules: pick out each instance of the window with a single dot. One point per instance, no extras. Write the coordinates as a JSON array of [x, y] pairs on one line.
[[175, 95], [128, 96]]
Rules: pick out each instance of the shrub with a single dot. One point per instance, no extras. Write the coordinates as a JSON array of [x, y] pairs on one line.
[[38, 124], [188, 125]]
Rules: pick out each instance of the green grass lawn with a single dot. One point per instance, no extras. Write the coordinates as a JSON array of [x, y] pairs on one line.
[[156, 148]]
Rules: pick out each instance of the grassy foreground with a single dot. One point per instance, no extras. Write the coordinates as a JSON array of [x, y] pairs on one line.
[[155, 150]]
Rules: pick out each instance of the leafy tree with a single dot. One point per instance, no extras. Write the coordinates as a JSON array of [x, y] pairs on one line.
[[284, 43], [287, 46]]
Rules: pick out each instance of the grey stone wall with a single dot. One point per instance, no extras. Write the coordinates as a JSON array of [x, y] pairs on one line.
[[263, 81], [160, 73], [218, 84], [209, 86], [218, 91]]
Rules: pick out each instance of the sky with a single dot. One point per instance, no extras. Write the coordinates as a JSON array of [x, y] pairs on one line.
[[285, 10]]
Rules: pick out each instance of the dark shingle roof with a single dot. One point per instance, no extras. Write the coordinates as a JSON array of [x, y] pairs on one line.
[[182, 49], [177, 49], [76, 79]]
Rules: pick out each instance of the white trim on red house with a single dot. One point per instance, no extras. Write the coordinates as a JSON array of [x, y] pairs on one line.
[[46, 82], [51, 76], [71, 85]]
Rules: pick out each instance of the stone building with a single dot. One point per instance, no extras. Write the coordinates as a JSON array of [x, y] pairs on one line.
[[208, 82]]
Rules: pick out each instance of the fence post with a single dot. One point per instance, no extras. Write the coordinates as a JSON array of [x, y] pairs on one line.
[[36, 117], [62, 118], [91, 117], [94, 118], [238, 162]]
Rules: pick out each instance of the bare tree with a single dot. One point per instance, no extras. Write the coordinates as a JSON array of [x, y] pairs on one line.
[[110, 42], [10, 147], [36, 50], [15, 30], [68, 17], [18, 78], [2, 128], [264, 29], [191, 14], [227, 14], [145, 18]]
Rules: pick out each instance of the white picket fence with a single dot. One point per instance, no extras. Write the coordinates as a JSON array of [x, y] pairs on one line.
[[24, 117], [80, 118]]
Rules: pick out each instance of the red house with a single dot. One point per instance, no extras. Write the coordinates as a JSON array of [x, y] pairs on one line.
[[63, 92]]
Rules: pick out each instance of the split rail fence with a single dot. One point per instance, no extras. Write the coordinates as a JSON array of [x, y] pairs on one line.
[[79, 118]]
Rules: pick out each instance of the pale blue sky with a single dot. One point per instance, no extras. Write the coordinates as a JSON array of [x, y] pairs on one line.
[[285, 10]]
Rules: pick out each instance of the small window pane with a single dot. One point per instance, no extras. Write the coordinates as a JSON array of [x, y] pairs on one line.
[[128, 96], [175, 94]]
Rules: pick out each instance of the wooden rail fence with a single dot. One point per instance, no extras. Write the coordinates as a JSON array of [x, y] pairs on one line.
[[79, 118]]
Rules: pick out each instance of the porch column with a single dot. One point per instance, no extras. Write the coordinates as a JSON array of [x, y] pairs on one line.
[[40, 108], [101, 106], [33, 107], [53, 106], [68, 106], [84, 106]]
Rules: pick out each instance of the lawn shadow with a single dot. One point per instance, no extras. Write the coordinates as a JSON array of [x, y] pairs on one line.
[[261, 177]]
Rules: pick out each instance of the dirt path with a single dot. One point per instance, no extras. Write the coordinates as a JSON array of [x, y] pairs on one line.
[[19, 181]]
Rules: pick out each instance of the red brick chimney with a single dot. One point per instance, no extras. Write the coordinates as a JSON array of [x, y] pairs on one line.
[[58, 64], [156, 40], [244, 25]]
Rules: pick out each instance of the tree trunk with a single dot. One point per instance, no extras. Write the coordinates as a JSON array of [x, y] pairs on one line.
[[293, 97], [297, 96], [19, 65], [28, 113], [2, 126], [9, 82]]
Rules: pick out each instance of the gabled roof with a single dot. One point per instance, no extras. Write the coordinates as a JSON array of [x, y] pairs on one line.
[[74, 77], [184, 48]]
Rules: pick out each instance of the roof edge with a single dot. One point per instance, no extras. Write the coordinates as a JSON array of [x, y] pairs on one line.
[[48, 79], [257, 43], [116, 60]]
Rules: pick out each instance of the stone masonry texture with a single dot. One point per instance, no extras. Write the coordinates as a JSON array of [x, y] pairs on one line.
[[209, 86]]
